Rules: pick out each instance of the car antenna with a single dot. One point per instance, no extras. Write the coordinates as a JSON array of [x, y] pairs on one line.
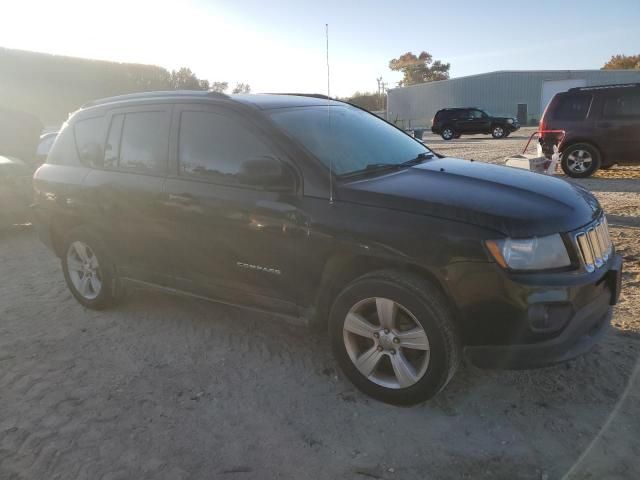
[[326, 27]]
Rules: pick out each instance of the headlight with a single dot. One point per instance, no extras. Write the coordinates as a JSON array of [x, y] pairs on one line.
[[538, 253], [510, 120]]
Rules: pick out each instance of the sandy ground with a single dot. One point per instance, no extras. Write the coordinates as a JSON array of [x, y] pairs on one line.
[[170, 388]]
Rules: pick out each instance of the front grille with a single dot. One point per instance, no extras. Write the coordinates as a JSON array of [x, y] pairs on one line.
[[594, 245]]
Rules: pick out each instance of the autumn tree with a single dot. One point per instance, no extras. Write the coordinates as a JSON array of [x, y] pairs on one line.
[[419, 69], [242, 88], [623, 62]]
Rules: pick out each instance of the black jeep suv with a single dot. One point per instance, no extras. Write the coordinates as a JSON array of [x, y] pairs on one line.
[[321, 213], [450, 123], [601, 124]]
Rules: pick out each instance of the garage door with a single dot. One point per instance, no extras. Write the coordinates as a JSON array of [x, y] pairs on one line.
[[551, 87]]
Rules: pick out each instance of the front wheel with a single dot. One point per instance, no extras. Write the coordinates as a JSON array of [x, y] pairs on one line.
[[580, 160], [394, 337], [498, 132]]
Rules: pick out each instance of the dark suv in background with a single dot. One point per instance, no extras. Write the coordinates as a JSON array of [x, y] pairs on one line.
[[602, 126], [451, 123], [319, 212]]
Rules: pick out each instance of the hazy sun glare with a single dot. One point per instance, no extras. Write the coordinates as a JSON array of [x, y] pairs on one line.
[[214, 43]]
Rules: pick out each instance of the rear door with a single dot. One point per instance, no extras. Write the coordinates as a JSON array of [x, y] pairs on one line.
[[619, 126], [124, 189]]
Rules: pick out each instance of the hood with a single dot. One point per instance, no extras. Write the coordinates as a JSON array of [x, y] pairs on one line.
[[514, 202]]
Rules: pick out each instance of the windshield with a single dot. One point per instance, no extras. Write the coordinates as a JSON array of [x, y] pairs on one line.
[[348, 139]]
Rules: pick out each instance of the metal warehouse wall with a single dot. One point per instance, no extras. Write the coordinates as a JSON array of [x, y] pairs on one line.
[[497, 92]]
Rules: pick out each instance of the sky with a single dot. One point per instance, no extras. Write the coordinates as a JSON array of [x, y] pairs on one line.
[[280, 46]]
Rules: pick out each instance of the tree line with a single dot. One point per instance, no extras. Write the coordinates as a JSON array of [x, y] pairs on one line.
[[52, 86]]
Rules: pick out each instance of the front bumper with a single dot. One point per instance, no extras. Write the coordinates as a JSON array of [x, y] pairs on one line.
[[582, 331]]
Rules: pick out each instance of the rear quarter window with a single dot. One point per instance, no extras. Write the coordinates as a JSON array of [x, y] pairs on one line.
[[572, 107]]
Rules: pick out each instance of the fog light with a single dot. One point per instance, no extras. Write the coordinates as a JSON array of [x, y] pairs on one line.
[[549, 317]]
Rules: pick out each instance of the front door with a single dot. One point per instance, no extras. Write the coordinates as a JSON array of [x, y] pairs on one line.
[[233, 242], [619, 126]]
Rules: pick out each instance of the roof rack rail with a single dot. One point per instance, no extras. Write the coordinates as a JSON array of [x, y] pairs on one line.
[[602, 87], [312, 95], [154, 94]]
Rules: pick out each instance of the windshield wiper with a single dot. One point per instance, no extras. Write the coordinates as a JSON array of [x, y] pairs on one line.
[[418, 159], [380, 167]]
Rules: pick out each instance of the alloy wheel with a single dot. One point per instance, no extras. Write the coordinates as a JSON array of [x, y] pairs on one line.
[[84, 270], [386, 343], [579, 161], [498, 132], [447, 133]]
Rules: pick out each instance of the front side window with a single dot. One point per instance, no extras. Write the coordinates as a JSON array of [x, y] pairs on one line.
[[573, 107], [477, 114], [622, 105], [214, 146], [346, 139]]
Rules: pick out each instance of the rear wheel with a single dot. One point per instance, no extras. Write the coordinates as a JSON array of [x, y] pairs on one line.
[[394, 337], [498, 131], [88, 270], [448, 133], [580, 160]]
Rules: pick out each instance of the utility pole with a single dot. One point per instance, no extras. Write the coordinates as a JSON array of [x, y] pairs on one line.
[[380, 91]]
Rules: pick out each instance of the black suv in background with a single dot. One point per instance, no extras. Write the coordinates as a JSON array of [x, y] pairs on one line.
[[602, 126], [451, 123], [322, 213]]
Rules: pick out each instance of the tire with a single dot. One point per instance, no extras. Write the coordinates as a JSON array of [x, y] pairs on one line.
[[448, 133], [498, 131], [88, 270], [580, 160], [396, 374]]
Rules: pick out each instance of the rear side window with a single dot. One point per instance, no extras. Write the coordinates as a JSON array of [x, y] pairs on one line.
[[144, 142], [213, 146], [622, 105], [572, 107], [89, 135], [138, 141]]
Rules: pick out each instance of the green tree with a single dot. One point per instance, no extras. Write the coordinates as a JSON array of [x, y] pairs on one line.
[[368, 101], [623, 62], [184, 79], [219, 87], [241, 88], [419, 69]]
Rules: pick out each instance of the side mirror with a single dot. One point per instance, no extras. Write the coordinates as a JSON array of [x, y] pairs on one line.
[[265, 171]]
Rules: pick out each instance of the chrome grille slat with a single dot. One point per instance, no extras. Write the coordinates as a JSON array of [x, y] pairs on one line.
[[594, 245]]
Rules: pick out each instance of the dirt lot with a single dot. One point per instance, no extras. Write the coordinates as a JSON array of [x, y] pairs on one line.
[[166, 387]]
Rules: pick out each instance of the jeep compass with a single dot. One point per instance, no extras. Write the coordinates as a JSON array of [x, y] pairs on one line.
[[321, 213]]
